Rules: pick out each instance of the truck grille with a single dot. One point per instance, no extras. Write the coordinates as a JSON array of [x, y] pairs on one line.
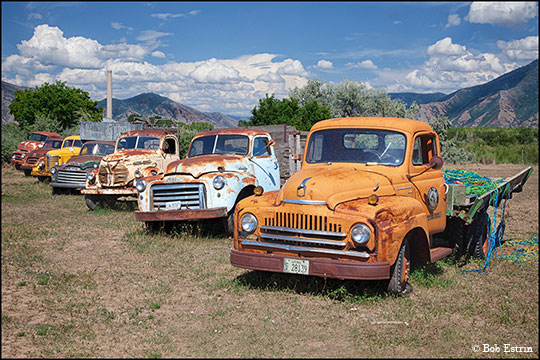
[[191, 196], [71, 177], [31, 160], [51, 161], [303, 230], [117, 177]]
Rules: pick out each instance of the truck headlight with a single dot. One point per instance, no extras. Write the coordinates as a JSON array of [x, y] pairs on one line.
[[53, 171], [219, 182], [138, 174], [249, 223], [360, 234], [140, 185], [22, 156], [40, 165], [90, 177]]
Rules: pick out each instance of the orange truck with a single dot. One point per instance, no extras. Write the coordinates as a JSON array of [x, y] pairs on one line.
[[369, 199]]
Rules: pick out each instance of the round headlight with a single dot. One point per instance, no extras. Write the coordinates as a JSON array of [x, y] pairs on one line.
[[138, 174], [90, 176], [360, 234], [53, 171], [22, 156], [140, 185], [249, 222], [13, 157], [219, 182], [40, 165]]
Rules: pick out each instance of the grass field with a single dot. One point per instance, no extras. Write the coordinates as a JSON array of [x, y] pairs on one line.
[[77, 283]]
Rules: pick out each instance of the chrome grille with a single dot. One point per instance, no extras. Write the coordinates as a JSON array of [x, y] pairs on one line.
[[51, 161], [71, 177], [31, 160], [191, 196], [303, 230]]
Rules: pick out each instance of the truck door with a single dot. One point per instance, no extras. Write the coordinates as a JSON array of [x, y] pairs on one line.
[[170, 151], [265, 164], [428, 187]]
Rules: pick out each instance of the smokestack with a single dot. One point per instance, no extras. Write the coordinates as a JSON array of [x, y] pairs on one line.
[[109, 94]]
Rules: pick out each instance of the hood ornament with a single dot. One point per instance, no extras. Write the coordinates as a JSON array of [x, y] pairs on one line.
[[302, 188]]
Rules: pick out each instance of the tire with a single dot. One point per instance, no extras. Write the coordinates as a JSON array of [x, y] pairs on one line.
[[27, 172], [399, 279], [456, 233], [55, 191], [478, 239], [42, 178], [229, 223], [91, 201], [152, 226]]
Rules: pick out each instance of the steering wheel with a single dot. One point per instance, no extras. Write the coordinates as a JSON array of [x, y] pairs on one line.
[[371, 156]]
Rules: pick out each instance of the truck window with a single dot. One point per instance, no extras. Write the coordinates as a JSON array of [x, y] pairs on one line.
[[169, 146], [77, 143], [260, 147], [67, 143], [37, 137], [369, 146], [423, 150], [138, 142], [220, 144]]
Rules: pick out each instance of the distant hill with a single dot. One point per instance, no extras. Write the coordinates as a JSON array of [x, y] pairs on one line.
[[408, 97], [511, 100], [8, 91], [150, 104]]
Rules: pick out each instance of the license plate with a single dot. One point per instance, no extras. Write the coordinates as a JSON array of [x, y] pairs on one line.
[[173, 205], [295, 266]]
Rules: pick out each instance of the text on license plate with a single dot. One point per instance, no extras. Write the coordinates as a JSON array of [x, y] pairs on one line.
[[173, 205], [295, 266]]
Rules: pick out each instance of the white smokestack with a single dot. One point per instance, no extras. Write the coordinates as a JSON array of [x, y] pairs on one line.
[[109, 94]]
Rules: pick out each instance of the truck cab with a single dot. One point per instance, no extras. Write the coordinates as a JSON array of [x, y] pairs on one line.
[[71, 146], [222, 167], [370, 189], [138, 153]]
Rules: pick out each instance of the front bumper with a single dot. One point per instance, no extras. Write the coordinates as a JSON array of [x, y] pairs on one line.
[[43, 172], [322, 267], [68, 185], [181, 215], [111, 191]]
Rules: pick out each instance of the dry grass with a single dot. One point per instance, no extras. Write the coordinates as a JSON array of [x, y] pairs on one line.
[[95, 284]]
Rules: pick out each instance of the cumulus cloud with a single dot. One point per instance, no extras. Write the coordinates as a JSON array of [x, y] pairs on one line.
[[508, 14], [523, 49], [366, 64], [158, 54], [324, 65], [453, 20], [452, 66]]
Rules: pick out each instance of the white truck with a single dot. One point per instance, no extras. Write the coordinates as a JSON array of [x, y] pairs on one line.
[[222, 167]]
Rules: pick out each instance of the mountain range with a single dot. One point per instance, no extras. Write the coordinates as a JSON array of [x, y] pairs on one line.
[[510, 100]]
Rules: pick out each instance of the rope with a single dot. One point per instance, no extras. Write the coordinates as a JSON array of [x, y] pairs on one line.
[[479, 185], [524, 251]]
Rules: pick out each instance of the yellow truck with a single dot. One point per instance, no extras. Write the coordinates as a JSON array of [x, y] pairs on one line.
[[370, 198], [71, 146]]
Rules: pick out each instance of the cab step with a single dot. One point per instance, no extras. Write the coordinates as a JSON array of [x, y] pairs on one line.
[[438, 253]]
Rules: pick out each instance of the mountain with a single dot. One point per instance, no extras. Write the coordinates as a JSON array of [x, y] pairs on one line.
[[150, 104], [8, 91], [408, 97], [511, 100]]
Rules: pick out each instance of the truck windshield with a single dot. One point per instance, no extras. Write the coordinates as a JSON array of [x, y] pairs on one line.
[[97, 149], [52, 144], [138, 142], [369, 146], [38, 137], [219, 144]]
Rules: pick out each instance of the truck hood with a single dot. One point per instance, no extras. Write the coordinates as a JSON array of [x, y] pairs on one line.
[[199, 165], [335, 184], [29, 145], [83, 161]]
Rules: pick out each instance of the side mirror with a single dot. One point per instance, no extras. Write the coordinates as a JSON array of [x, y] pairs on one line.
[[436, 162]]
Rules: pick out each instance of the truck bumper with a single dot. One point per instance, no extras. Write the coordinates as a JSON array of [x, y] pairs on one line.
[[181, 215], [112, 191], [328, 268], [68, 185]]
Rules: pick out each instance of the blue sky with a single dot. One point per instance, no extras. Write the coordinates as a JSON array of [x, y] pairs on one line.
[[224, 56]]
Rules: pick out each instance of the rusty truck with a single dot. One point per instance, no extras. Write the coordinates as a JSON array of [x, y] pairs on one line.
[[35, 141], [138, 153], [369, 199], [31, 158], [222, 167]]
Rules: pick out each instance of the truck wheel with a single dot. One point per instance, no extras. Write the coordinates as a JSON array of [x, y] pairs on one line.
[[229, 223], [54, 191], [457, 236], [399, 280], [91, 201], [27, 172], [478, 238], [42, 178]]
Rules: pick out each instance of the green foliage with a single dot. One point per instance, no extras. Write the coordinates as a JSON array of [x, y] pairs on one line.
[[66, 105], [272, 111], [12, 135], [498, 145], [186, 132], [450, 151]]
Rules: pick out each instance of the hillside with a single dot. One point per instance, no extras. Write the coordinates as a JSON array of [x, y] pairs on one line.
[[150, 104], [510, 100], [8, 91]]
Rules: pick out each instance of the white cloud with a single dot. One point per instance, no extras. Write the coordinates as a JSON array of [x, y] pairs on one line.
[[366, 64], [34, 16], [292, 67], [158, 54], [167, 16], [523, 49], [151, 35], [324, 65], [453, 20], [119, 26], [509, 14], [445, 47]]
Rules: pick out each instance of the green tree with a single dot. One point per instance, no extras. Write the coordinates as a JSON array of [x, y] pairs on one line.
[[450, 152], [63, 104]]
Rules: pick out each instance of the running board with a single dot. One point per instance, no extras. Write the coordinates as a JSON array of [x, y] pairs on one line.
[[438, 253]]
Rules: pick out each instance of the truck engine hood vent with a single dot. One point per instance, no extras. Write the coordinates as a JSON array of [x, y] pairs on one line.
[[332, 185]]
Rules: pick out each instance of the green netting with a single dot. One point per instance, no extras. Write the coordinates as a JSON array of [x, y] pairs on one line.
[[474, 183]]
